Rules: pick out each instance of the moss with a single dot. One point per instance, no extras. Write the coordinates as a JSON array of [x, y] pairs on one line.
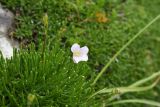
[[59, 82]]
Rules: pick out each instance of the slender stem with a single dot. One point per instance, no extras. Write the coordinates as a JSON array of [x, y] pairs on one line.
[[142, 101], [124, 47], [136, 84], [45, 22], [123, 90], [140, 82], [44, 43]]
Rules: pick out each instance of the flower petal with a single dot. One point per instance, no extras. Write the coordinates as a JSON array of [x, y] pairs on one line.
[[76, 59], [84, 50], [75, 47], [84, 58]]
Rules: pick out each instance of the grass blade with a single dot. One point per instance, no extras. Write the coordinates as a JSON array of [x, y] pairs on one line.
[[141, 101], [123, 48], [140, 82], [122, 90]]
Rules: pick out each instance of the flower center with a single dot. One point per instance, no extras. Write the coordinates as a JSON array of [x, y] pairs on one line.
[[77, 53]]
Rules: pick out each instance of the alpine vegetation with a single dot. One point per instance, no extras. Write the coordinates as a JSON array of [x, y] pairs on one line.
[[80, 53]]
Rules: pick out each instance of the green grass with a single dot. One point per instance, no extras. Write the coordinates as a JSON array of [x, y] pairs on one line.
[[28, 74], [56, 80]]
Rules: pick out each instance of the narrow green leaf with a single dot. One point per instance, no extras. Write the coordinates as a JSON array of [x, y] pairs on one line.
[[120, 90], [123, 48], [141, 101], [140, 82]]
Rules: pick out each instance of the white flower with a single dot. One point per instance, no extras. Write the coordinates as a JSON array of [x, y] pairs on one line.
[[79, 54]]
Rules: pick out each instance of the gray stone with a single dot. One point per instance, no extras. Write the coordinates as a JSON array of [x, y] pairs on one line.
[[6, 44]]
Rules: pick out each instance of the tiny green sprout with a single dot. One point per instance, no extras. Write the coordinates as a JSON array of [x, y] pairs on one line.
[[31, 98], [45, 20], [45, 23], [116, 91]]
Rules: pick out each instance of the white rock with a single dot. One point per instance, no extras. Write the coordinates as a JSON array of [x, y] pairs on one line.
[[6, 44], [6, 47]]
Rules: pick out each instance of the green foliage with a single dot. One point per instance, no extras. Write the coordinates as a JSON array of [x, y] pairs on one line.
[[56, 80]]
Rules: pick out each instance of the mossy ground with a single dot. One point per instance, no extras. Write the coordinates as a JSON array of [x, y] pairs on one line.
[[57, 81]]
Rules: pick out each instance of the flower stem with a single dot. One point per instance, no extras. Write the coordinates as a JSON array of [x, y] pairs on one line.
[[123, 48], [141, 101], [44, 44], [45, 22]]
